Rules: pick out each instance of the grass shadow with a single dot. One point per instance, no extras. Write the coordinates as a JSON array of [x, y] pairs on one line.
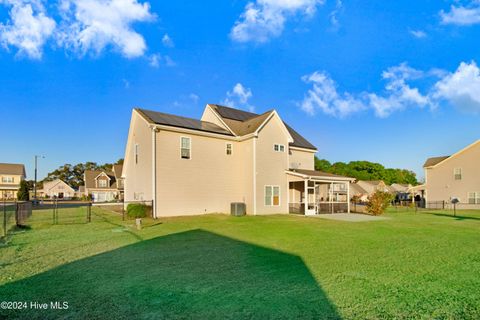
[[194, 274], [456, 217]]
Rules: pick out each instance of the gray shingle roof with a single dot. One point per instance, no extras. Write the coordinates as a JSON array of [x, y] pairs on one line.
[[181, 122], [435, 160]]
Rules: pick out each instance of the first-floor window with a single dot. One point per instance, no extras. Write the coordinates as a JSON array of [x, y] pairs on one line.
[[474, 197], [272, 195], [185, 147]]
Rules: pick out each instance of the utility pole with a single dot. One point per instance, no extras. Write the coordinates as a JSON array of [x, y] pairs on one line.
[[35, 182]]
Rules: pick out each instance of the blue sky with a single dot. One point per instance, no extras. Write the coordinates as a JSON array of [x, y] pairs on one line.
[[386, 81]]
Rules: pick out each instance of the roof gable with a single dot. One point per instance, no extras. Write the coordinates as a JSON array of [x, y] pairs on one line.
[[244, 122], [433, 162]]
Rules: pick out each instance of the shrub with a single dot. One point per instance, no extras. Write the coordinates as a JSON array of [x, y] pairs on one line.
[[379, 202], [136, 210], [23, 193]]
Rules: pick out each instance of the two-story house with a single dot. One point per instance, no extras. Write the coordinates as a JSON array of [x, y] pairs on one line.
[[455, 176], [11, 175], [190, 166], [104, 186]]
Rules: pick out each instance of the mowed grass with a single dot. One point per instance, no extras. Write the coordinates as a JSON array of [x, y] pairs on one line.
[[414, 265]]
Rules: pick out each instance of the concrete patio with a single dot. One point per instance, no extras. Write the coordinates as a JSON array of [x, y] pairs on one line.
[[349, 217]]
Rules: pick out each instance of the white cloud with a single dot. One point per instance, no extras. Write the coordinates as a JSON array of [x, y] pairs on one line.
[[28, 29], [419, 34], [398, 95], [462, 15], [194, 97], [238, 97], [265, 19], [156, 60], [461, 88], [334, 15], [93, 25], [167, 41], [325, 97]]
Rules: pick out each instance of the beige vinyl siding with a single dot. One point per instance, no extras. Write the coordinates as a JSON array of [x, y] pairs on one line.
[[138, 176], [301, 159], [271, 166], [442, 183], [207, 182], [209, 116], [9, 189]]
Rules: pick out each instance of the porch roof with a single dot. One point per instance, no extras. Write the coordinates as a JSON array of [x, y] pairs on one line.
[[318, 175]]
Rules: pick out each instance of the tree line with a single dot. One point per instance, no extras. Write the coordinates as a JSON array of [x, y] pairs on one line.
[[365, 170]]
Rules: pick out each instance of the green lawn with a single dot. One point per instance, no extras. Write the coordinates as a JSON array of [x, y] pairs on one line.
[[414, 265]]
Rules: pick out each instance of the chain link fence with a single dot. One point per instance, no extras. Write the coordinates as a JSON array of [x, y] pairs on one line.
[[14, 214]]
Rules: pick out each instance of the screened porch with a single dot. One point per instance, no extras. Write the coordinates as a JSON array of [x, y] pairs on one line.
[[314, 192]]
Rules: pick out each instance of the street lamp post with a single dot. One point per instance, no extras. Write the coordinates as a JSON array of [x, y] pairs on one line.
[[35, 182]]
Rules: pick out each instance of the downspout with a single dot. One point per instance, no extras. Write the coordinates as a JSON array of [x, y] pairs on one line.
[[154, 172], [254, 176]]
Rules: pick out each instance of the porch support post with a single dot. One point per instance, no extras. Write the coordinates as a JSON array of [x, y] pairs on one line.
[[348, 196], [305, 196], [331, 197]]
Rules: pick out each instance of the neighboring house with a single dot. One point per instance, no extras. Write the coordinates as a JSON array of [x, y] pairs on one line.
[[57, 189], [357, 191], [402, 191], [103, 185], [400, 187], [11, 175], [455, 176], [372, 186], [189, 166]]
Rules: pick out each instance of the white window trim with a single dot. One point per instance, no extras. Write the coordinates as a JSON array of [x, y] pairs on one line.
[[279, 147], [455, 173], [226, 148], [279, 195], [476, 197], [189, 147]]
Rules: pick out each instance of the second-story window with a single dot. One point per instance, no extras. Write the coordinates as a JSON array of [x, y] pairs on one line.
[[8, 179], [136, 152], [457, 172], [102, 183], [229, 149], [186, 147], [279, 147]]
